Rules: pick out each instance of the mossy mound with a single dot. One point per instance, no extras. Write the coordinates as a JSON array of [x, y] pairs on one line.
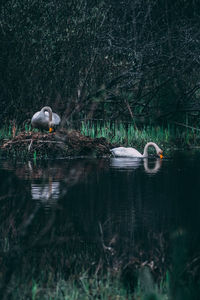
[[62, 143]]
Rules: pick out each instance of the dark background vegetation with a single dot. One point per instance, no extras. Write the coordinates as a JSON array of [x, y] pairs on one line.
[[115, 60]]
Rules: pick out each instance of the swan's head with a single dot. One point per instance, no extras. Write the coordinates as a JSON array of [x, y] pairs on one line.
[[160, 153], [50, 126]]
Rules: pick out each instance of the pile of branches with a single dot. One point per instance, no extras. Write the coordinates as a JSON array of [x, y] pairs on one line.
[[62, 143]]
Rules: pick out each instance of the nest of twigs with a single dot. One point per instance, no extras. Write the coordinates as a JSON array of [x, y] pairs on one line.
[[61, 143]]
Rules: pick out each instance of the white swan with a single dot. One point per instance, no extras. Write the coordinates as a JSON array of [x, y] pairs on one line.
[[45, 119], [132, 152]]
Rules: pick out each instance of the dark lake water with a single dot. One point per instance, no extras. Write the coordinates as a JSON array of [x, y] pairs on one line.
[[67, 214]]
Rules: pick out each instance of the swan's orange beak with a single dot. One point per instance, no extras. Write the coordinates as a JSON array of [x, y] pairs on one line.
[[161, 156], [50, 129]]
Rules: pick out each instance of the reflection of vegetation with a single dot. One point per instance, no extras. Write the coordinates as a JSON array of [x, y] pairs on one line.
[[68, 254], [185, 275], [82, 286], [107, 285]]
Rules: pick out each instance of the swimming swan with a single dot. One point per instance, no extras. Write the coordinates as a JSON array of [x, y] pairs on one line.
[[132, 152], [45, 119]]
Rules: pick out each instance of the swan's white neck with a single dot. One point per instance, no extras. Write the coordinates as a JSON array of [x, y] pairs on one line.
[[145, 154], [47, 108]]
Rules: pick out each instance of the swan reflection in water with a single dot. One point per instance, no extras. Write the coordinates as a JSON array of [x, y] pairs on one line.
[[134, 163], [46, 193], [50, 183]]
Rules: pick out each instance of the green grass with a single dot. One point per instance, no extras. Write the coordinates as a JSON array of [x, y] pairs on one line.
[[128, 135], [7, 132]]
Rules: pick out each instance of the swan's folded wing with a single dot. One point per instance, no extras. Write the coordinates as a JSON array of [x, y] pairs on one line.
[[125, 152]]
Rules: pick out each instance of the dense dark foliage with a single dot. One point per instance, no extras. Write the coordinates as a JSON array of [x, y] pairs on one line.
[[104, 59]]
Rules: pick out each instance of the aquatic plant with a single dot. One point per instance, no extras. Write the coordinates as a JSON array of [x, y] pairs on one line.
[[11, 130], [127, 134]]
